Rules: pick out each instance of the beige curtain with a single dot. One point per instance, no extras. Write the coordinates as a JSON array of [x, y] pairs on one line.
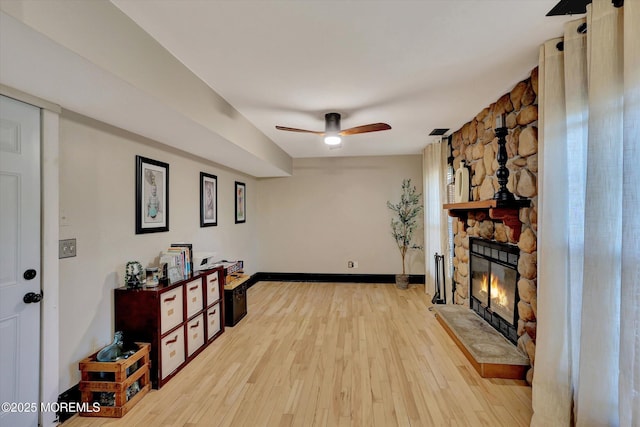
[[435, 218], [587, 369], [629, 387]]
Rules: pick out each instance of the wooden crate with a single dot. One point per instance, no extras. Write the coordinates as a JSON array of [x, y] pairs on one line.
[[115, 377]]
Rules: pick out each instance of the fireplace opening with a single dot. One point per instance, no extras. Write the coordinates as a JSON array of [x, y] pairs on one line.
[[494, 278]]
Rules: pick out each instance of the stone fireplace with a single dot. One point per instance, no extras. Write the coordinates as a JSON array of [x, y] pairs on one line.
[[513, 226]]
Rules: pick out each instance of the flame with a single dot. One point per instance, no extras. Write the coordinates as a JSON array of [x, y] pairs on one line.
[[484, 284], [498, 293]]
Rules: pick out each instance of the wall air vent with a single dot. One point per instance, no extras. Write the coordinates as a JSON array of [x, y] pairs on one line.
[[569, 7], [438, 132]]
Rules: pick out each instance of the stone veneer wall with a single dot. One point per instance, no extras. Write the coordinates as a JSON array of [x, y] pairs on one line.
[[477, 145]]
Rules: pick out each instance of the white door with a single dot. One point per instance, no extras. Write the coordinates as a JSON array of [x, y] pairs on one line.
[[19, 263]]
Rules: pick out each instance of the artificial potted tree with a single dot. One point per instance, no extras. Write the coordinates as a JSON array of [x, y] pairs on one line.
[[404, 224]]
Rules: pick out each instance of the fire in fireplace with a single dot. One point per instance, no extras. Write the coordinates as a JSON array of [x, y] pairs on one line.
[[494, 278]]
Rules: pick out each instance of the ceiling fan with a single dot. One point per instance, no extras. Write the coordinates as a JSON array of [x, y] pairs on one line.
[[332, 132]]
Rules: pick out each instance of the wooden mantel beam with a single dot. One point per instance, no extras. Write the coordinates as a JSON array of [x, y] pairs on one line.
[[506, 211]]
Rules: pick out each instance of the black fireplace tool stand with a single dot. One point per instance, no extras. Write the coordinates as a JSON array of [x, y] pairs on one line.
[[439, 297]]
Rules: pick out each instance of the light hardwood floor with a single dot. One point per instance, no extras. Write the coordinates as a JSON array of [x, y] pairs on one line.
[[327, 354]]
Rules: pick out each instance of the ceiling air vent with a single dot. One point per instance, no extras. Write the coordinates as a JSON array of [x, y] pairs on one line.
[[569, 7], [438, 132]]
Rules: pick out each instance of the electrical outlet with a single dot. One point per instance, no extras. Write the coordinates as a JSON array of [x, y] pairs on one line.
[[349, 264], [66, 248]]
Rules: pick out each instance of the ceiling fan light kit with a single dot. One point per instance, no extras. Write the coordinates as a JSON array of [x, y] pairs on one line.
[[332, 129], [332, 139], [332, 133]]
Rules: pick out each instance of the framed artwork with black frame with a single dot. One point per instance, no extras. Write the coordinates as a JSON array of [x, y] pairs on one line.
[[208, 200], [241, 202], [152, 196]]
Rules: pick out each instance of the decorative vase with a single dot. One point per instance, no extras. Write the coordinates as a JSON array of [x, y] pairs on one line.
[[461, 184], [402, 281]]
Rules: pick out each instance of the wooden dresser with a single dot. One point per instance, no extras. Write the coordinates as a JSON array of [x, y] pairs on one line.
[[179, 320]]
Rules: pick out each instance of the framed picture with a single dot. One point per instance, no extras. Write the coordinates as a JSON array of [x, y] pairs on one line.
[[208, 200], [241, 202], [152, 196]]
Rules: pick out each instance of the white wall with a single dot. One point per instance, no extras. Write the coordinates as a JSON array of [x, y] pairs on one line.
[[333, 210], [97, 188]]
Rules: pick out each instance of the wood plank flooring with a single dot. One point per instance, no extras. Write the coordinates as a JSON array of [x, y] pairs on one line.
[[331, 354]]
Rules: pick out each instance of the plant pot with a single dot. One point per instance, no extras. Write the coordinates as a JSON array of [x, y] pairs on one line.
[[402, 281]]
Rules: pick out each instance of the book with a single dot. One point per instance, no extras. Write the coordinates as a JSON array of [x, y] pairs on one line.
[[188, 256]]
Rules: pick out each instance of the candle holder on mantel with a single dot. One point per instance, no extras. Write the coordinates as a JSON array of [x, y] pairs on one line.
[[503, 194]]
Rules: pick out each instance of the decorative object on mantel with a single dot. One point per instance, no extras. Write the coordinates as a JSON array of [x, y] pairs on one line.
[[503, 172], [404, 225], [134, 274], [461, 183]]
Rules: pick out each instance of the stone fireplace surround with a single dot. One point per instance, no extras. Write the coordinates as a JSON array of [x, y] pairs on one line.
[[476, 144]]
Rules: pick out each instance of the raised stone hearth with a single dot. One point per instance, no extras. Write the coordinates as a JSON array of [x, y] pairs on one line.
[[488, 351]]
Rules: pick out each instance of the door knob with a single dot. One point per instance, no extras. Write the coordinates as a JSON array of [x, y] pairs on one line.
[[29, 274], [32, 297]]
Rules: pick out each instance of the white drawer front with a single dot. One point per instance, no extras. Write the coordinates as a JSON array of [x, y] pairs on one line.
[[194, 297], [172, 347], [213, 288], [170, 309], [195, 334], [213, 321]]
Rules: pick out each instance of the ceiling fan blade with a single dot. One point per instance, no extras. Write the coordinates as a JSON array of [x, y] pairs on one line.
[[299, 130], [373, 127]]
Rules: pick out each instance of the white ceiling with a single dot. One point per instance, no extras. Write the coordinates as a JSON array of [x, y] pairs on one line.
[[416, 65]]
